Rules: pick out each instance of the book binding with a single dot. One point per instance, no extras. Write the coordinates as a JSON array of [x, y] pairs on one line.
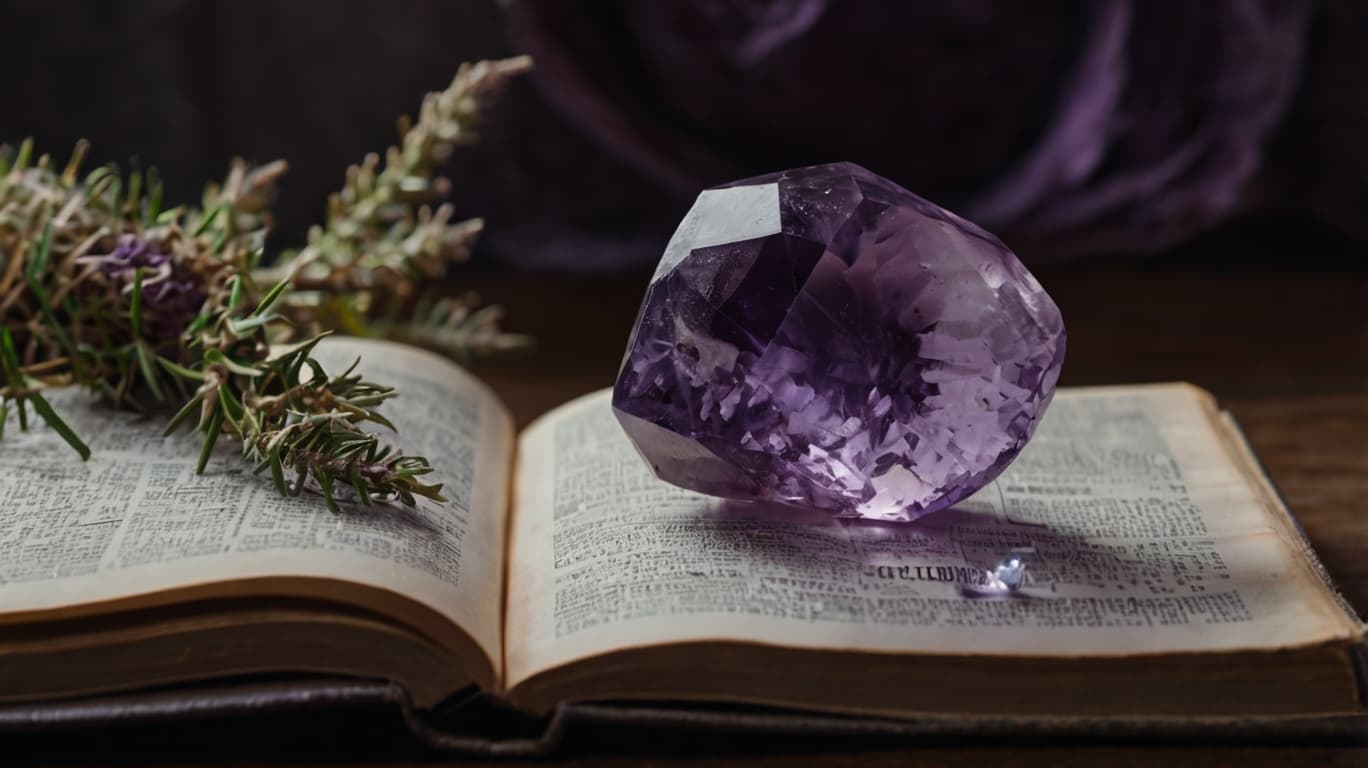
[[475, 724]]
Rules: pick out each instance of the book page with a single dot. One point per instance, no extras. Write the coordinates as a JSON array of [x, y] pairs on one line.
[[1139, 532], [135, 520]]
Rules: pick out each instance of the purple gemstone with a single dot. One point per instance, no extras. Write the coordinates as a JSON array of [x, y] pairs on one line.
[[825, 338]]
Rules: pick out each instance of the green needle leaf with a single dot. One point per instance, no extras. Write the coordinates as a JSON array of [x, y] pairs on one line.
[[184, 413], [25, 154], [235, 293], [301, 471], [135, 305], [271, 296], [14, 377], [42, 249], [134, 192], [44, 409], [179, 370], [241, 327], [211, 435], [149, 370], [232, 407], [33, 275], [96, 179], [359, 483], [214, 356], [73, 166], [154, 197], [114, 193], [325, 482], [278, 471], [208, 219]]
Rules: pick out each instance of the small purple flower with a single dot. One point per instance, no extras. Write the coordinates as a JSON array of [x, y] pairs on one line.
[[171, 297], [130, 252]]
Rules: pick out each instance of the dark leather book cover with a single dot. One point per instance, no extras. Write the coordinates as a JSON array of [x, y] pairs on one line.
[[473, 723]]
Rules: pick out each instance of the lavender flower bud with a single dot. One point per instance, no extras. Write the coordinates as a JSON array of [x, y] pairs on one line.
[[171, 297]]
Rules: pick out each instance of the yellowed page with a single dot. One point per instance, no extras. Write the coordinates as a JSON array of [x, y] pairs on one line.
[[135, 521], [1138, 528]]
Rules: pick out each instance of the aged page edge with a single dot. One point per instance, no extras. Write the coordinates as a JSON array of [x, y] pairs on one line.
[[1283, 518], [512, 459]]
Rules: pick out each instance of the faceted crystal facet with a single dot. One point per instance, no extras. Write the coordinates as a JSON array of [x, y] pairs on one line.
[[825, 338]]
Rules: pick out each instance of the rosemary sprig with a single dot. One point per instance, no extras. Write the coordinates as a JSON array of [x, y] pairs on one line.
[[155, 308], [364, 269]]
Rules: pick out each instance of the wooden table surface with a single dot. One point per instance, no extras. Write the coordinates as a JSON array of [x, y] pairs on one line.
[[1285, 350]]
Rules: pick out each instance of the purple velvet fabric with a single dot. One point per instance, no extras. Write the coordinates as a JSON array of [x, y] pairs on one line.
[[1069, 128]]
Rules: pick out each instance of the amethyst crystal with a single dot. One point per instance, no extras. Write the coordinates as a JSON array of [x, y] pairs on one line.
[[825, 338]]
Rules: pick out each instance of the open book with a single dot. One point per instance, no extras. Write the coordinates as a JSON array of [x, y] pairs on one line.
[[1165, 578]]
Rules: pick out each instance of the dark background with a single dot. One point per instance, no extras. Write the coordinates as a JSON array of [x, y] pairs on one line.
[[1222, 132]]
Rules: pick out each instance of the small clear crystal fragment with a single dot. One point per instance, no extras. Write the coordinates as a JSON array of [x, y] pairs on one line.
[[1009, 573], [822, 337]]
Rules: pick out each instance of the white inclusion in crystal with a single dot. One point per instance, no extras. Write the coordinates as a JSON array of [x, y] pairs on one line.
[[823, 463], [713, 354], [707, 405], [850, 427], [883, 405], [728, 404], [794, 395]]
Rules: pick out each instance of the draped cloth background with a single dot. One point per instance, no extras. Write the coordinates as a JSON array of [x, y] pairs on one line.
[[1075, 129]]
